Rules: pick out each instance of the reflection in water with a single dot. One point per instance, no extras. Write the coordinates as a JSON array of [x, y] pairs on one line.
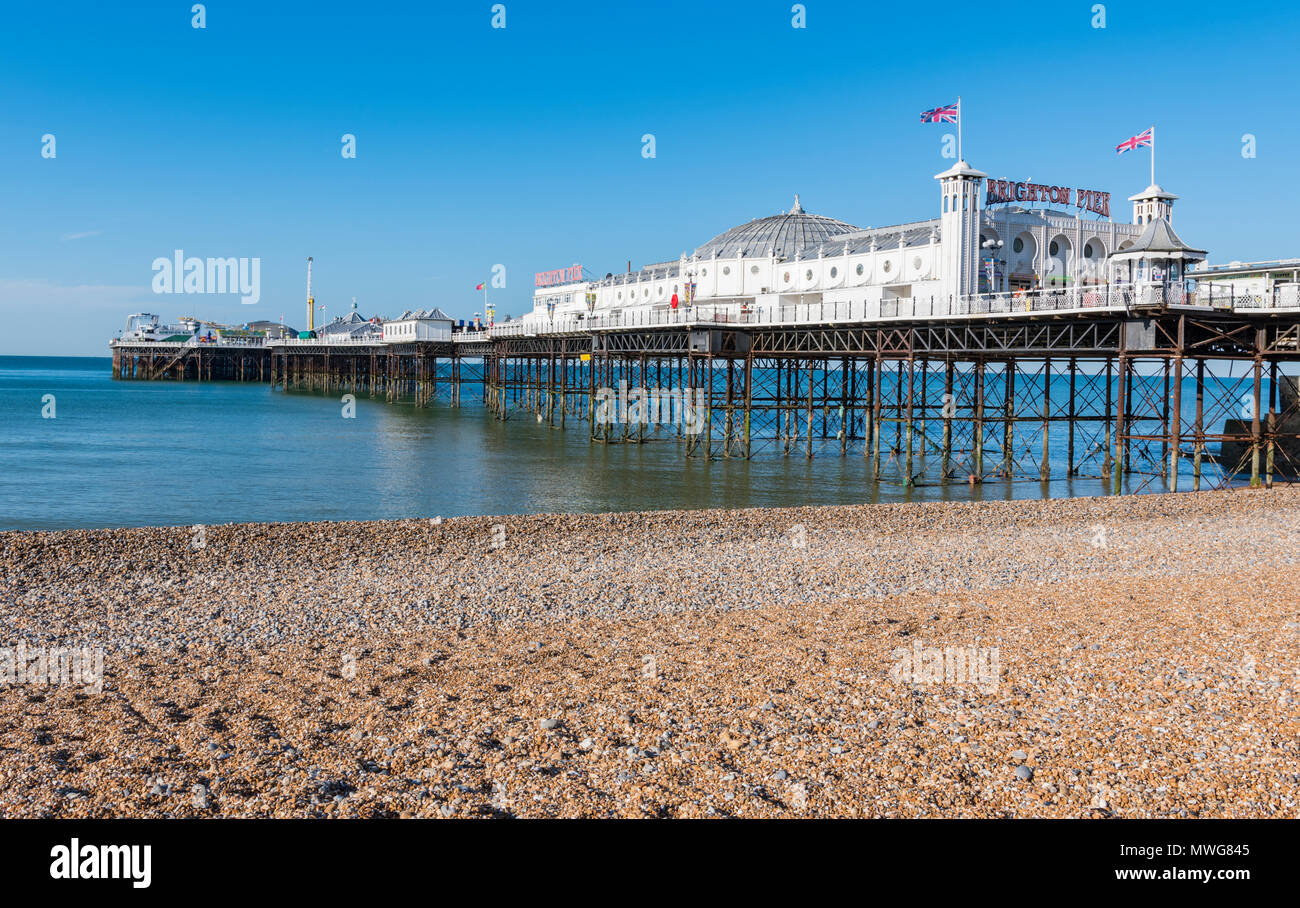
[[127, 453]]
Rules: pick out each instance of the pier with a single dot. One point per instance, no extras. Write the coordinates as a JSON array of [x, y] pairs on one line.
[[1028, 387]]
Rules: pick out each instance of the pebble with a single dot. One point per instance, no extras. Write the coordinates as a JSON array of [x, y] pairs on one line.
[[324, 641]]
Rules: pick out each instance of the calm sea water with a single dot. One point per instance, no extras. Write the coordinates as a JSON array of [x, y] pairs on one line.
[[144, 453]]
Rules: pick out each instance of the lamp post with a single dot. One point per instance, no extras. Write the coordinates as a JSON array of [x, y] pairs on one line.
[[993, 246]]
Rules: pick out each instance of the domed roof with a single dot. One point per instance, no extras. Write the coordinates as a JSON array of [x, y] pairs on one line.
[[782, 234]]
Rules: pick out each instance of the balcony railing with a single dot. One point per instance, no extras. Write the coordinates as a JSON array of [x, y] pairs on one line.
[[1080, 299]]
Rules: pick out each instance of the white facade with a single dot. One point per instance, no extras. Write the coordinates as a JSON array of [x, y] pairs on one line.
[[420, 325], [795, 258]]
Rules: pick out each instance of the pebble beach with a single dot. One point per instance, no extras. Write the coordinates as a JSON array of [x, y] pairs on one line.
[[1137, 656]]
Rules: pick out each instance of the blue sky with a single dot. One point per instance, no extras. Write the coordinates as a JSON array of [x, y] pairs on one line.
[[522, 146]]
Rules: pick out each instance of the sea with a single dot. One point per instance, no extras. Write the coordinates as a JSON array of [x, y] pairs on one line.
[[80, 450]]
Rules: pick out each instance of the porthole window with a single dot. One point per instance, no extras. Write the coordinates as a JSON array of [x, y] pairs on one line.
[[726, 269], [807, 275], [786, 277], [916, 263], [661, 290], [647, 292], [834, 272], [753, 269], [860, 269], [620, 294], [704, 272], [1019, 245], [887, 267], [1054, 248]]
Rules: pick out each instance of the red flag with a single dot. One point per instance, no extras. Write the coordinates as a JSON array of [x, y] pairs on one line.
[[479, 287]]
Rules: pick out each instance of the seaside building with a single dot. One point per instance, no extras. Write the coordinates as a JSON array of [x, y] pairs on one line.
[[419, 325], [989, 237], [1261, 283], [352, 327], [272, 330]]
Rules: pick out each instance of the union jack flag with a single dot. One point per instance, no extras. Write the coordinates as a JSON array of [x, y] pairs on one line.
[[946, 114], [1141, 140]]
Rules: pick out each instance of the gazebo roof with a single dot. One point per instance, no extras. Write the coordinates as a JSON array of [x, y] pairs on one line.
[[1159, 241]]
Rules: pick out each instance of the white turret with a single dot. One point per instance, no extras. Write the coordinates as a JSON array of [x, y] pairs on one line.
[[1151, 204], [959, 187]]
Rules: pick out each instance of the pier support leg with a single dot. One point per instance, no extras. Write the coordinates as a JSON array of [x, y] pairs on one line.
[[911, 390], [1176, 422], [1044, 466], [875, 419], [1198, 444], [1121, 406], [977, 443], [811, 384], [1256, 443], [948, 412], [749, 397], [1070, 420], [1009, 424], [1272, 423]]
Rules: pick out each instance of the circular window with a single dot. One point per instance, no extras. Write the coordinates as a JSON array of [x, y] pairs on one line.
[[1090, 251], [620, 294], [807, 275], [1053, 249], [887, 267], [753, 269], [786, 277], [647, 292], [674, 288], [726, 269], [834, 272], [704, 272], [661, 289], [916, 263], [859, 271], [1018, 245]]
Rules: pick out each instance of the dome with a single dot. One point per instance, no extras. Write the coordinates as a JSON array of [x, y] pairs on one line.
[[782, 234]]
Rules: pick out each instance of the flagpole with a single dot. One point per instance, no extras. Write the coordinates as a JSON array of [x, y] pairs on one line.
[[1153, 156], [960, 157]]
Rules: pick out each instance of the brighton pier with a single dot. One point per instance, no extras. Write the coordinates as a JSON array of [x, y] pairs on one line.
[[990, 343]]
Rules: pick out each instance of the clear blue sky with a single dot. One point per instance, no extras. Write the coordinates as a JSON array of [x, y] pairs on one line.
[[522, 146]]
